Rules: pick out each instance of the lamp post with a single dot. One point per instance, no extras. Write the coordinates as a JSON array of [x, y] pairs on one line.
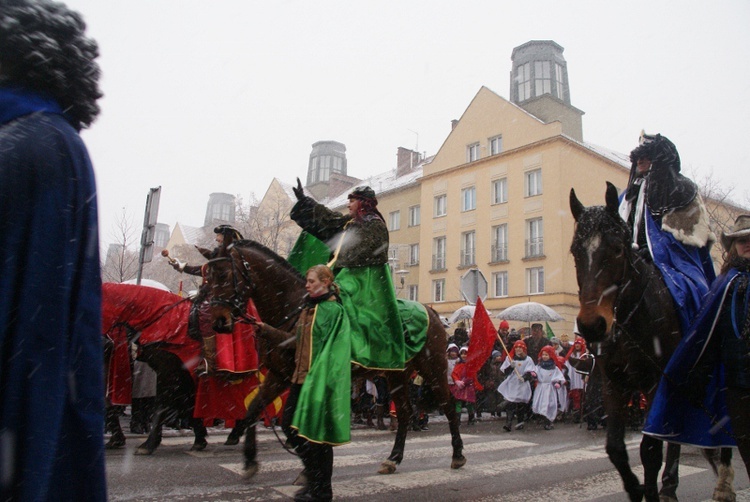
[[402, 278]]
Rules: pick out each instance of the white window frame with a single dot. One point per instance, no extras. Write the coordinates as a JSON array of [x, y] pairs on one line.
[[414, 254], [535, 281], [413, 292], [468, 248], [415, 216], [500, 283], [439, 245], [533, 182], [500, 242], [535, 237], [523, 76], [394, 221], [500, 191], [438, 290], [542, 78], [473, 152], [440, 205], [468, 199], [559, 87], [496, 144]]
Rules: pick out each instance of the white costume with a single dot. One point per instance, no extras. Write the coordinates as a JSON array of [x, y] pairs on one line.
[[545, 395], [513, 388]]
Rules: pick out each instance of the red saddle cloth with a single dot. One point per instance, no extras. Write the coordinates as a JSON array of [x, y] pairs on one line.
[[236, 352]]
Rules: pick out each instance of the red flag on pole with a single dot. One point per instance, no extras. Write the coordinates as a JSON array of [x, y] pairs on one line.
[[483, 336]]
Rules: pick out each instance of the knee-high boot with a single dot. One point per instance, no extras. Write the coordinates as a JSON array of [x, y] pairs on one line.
[[379, 416]]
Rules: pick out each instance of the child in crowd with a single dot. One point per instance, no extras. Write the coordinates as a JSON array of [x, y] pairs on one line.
[[576, 379], [464, 387], [549, 380], [516, 389]]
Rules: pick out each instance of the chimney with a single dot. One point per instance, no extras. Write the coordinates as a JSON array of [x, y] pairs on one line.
[[406, 161], [454, 123]]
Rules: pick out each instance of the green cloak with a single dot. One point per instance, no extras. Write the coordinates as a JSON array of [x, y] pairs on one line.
[[323, 413]]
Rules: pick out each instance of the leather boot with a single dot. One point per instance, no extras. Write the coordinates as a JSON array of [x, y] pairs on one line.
[[368, 422], [209, 353], [379, 416], [508, 418]]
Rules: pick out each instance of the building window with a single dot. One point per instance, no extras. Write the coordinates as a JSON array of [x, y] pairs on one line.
[[500, 279], [500, 242], [535, 280], [414, 216], [394, 221], [438, 253], [468, 250], [472, 152], [468, 199], [533, 183], [413, 292], [559, 81], [438, 290], [523, 81], [441, 205], [500, 191], [414, 254], [534, 238], [542, 78], [496, 145]]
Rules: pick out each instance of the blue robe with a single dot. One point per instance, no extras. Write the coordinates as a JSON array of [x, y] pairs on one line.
[[673, 416], [51, 372]]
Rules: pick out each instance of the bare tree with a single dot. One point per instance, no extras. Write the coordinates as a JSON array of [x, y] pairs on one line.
[[121, 262], [268, 222]]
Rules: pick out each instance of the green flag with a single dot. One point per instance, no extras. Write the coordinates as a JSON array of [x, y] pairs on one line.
[[550, 334]]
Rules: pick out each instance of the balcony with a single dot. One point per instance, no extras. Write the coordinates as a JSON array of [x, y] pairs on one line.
[[534, 247], [499, 252]]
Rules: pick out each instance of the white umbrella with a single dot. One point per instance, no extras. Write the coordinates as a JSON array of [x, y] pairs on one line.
[[464, 313], [528, 312]]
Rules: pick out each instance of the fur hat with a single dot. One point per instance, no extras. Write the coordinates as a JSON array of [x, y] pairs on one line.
[[364, 192], [464, 349], [740, 228], [452, 346]]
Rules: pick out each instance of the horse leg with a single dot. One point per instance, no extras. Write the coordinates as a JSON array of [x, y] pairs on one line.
[[651, 458], [738, 402], [237, 431], [400, 395], [614, 405], [154, 437], [199, 429], [112, 423], [724, 491], [250, 449], [670, 478]]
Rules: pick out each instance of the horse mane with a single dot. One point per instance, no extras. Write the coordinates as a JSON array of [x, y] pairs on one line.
[[270, 254]]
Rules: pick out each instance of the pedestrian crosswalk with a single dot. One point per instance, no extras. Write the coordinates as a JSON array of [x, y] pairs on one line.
[[485, 456]]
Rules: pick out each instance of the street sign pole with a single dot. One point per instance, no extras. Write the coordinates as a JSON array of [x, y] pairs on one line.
[[149, 230]]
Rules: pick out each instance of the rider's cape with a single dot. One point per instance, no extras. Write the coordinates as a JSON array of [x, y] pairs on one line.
[[324, 404], [672, 416]]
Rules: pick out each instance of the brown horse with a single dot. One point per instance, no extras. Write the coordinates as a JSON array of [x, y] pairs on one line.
[[628, 319], [250, 270]]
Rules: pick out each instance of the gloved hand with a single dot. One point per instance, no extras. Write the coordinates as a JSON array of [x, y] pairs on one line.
[[527, 376], [299, 192], [178, 265]]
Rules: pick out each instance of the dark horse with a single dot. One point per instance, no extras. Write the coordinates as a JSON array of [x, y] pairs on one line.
[[627, 316], [159, 320], [249, 270]]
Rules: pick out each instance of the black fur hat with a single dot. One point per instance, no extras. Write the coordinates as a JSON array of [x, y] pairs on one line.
[[45, 50], [364, 192], [229, 231]]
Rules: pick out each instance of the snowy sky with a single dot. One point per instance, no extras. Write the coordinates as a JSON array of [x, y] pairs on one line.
[[222, 96]]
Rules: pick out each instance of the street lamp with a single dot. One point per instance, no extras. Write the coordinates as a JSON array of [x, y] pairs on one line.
[[402, 277]]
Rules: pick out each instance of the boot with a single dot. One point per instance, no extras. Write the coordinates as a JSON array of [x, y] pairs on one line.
[[508, 419], [369, 423], [379, 416], [394, 423], [472, 419]]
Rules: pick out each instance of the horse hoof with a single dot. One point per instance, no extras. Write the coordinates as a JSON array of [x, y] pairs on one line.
[[199, 445], [387, 467], [724, 496], [251, 469], [232, 440], [457, 463], [115, 442], [141, 450], [302, 479], [667, 498]]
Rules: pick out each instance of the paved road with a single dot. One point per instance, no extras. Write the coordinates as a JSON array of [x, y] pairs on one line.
[[567, 463]]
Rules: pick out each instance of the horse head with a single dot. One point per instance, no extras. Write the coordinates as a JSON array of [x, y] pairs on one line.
[[602, 255], [248, 270]]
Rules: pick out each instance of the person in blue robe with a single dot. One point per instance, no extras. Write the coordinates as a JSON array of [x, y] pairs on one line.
[[51, 368], [702, 398]]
